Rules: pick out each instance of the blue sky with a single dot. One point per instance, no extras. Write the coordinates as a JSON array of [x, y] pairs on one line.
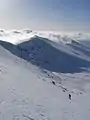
[[53, 15]]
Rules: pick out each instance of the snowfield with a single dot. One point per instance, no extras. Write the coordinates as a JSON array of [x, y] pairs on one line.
[[37, 74]]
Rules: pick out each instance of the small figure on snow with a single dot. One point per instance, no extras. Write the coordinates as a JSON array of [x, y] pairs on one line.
[[70, 96], [53, 82]]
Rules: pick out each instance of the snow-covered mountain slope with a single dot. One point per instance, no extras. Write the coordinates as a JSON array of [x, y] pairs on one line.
[[58, 57], [27, 93], [38, 74]]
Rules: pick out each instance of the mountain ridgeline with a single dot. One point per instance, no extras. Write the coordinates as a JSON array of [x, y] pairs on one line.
[[46, 55]]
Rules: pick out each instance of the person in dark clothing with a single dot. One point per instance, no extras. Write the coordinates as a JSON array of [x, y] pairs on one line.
[[70, 96], [53, 82]]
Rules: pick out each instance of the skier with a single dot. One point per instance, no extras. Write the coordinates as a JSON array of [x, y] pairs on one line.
[[53, 82], [70, 96]]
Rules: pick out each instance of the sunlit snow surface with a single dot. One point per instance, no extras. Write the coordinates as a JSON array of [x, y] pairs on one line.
[[17, 36], [27, 92]]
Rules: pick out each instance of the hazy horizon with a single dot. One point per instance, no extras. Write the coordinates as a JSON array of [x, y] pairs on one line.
[[45, 15]]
